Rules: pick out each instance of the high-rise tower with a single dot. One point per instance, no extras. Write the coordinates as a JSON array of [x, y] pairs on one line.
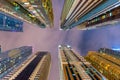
[[75, 67], [35, 68], [89, 14], [111, 52], [107, 64], [39, 12], [13, 58]]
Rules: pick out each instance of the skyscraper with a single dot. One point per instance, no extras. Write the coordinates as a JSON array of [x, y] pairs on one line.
[[44, 9], [35, 68], [13, 58], [39, 12], [84, 14], [9, 23], [75, 67], [110, 52], [107, 64]]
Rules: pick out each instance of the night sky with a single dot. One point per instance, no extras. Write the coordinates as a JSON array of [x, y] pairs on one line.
[[49, 39]]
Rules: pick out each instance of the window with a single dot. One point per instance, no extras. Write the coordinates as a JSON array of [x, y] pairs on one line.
[[110, 13]]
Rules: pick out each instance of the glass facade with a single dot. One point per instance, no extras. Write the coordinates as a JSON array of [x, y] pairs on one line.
[[8, 23], [14, 58], [110, 52]]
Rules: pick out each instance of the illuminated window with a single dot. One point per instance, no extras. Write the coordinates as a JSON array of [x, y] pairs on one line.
[[110, 13]]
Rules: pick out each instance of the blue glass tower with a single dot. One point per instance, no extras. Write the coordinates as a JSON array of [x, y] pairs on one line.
[[9, 23], [13, 58]]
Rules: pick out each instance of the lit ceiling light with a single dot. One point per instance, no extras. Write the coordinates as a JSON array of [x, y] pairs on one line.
[[59, 46], [26, 3], [68, 46]]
